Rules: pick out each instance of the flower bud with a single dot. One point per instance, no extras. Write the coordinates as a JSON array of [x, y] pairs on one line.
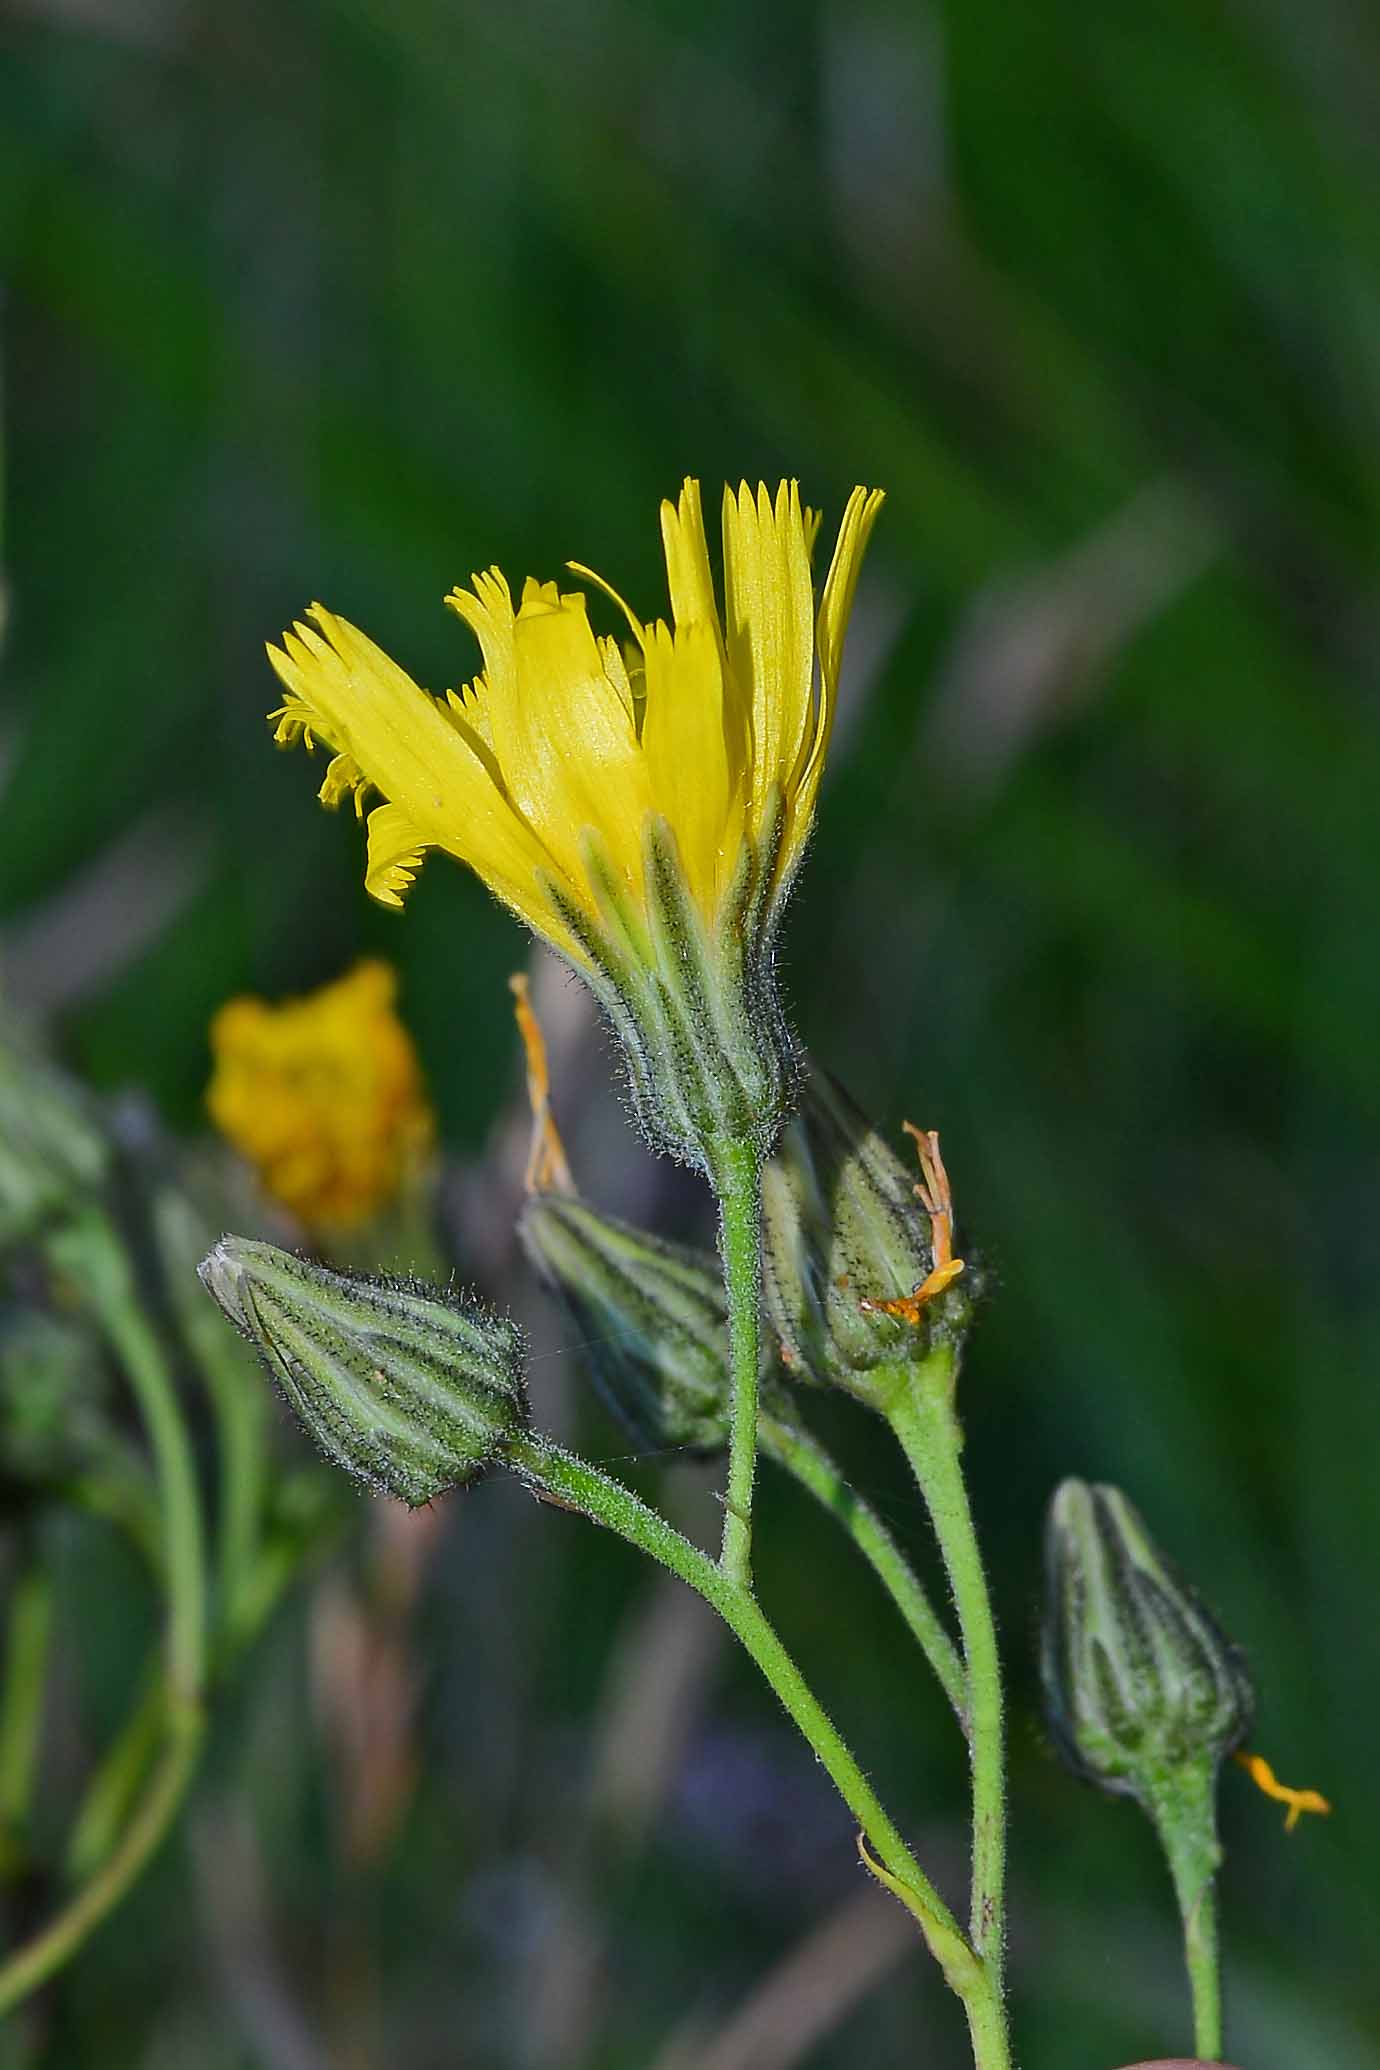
[[650, 1315], [857, 1262], [1140, 1683], [52, 1154], [401, 1384]]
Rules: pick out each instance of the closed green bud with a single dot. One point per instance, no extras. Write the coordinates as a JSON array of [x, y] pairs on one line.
[[651, 1318], [857, 1255], [403, 1385], [1140, 1683], [52, 1154]]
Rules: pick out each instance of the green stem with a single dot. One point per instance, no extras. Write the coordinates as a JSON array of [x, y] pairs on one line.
[[918, 1403], [115, 1786], [1204, 1974], [21, 1706], [90, 1251], [47, 1952], [118, 1496], [239, 1400], [736, 1173], [801, 1454], [1184, 1809], [127, 1762], [575, 1485]]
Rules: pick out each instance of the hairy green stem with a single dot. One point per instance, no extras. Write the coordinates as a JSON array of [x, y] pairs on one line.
[[800, 1453], [736, 1173], [988, 2028], [1184, 1810], [1204, 1974], [573, 1484], [21, 1704], [918, 1403]]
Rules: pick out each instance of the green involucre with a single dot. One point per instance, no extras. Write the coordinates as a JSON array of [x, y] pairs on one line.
[[1140, 1681], [410, 1389]]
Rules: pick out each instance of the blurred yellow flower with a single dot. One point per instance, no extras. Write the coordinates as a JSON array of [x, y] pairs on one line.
[[324, 1096], [542, 773]]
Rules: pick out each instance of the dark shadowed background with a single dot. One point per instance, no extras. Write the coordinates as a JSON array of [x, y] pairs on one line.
[[347, 299]]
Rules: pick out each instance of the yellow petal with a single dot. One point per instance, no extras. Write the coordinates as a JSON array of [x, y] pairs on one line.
[[687, 559], [616, 669], [487, 608], [691, 587], [769, 608], [426, 760], [836, 604], [687, 755], [588, 575], [565, 738], [343, 778], [396, 853]]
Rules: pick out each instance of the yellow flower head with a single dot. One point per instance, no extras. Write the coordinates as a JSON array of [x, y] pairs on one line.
[[706, 721], [642, 806], [324, 1096]]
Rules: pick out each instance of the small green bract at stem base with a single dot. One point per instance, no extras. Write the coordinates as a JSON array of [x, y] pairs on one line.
[[410, 1389]]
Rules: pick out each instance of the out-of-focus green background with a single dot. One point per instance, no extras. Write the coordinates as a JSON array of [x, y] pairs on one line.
[[347, 299]]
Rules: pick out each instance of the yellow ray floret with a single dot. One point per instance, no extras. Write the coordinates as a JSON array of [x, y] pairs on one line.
[[718, 721], [324, 1096]]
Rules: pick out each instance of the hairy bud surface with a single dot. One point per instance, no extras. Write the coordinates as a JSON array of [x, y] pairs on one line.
[[410, 1389], [1140, 1682]]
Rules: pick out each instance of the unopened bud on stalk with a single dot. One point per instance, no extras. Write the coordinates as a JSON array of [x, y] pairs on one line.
[[52, 1153], [1141, 1685], [650, 1315], [858, 1256], [409, 1388]]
